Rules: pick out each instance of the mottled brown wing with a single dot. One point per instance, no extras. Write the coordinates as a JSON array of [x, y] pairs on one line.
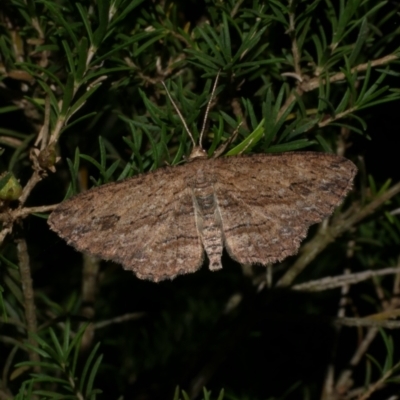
[[146, 223], [268, 202]]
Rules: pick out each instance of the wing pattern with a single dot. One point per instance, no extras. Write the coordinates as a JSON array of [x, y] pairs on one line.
[[146, 223], [268, 202], [159, 224]]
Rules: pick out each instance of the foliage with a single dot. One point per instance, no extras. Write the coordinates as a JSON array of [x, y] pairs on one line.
[[82, 104]]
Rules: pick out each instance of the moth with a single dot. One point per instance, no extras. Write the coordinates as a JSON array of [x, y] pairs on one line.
[[163, 223]]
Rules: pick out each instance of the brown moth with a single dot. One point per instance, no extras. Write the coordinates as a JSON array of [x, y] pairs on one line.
[[160, 224]]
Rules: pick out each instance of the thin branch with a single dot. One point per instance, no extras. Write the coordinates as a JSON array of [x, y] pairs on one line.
[[333, 282], [238, 112], [328, 387], [29, 300], [308, 85], [43, 136], [379, 384], [7, 228], [118, 320], [90, 272], [10, 216], [35, 178], [338, 116], [344, 381], [366, 322], [340, 76], [292, 33], [24, 212]]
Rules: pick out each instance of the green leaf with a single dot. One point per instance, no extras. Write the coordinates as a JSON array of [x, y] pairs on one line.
[[77, 121], [123, 11], [147, 44], [92, 376], [8, 109], [101, 31], [251, 140], [94, 162], [9, 263], [41, 352], [68, 94], [103, 155], [217, 137], [368, 373], [2, 305], [221, 395], [59, 355], [82, 59], [291, 146], [86, 22], [176, 393], [19, 151], [66, 338], [185, 395], [74, 171], [4, 180], [82, 100], [361, 39], [56, 12], [110, 171], [388, 341], [323, 143], [53, 395], [86, 368], [70, 57], [75, 346]]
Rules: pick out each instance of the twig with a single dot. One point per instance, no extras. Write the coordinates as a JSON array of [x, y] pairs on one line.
[[118, 320], [35, 178], [366, 322], [355, 393], [379, 383], [329, 381], [29, 301], [375, 322], [333, 282], [314, 83], [236, 8], [345, 378], [238, 112], [295, 47], [344, 381], [10, 216], [24, 212], [42, 138], [91, 267], [7, 228], [338, 116]]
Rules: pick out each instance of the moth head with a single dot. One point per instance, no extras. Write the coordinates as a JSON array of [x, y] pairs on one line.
[[197, 152]]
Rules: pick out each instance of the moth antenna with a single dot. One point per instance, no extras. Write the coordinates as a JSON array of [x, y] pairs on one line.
[[179, 113], [208, 108]]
